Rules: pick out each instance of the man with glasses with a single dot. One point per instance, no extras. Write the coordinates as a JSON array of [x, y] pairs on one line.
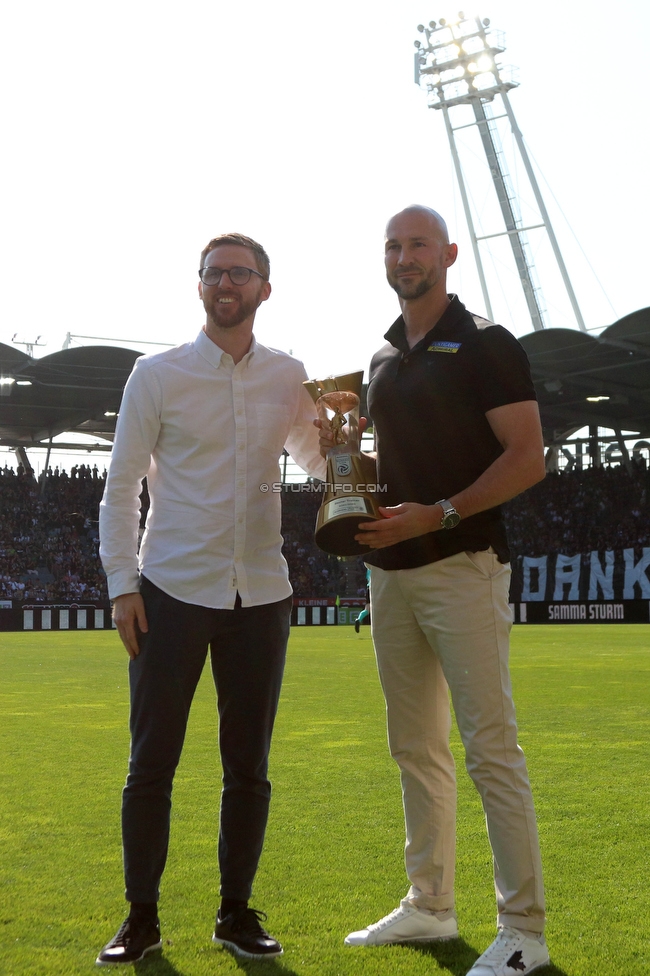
[[206, 424]]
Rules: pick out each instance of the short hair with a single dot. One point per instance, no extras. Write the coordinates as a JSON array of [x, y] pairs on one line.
[[261, 257]]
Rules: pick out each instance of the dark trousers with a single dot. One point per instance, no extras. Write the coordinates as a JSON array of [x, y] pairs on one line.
[[247, 653]]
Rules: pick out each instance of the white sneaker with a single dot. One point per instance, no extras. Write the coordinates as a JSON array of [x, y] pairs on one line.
[[407, 924], [511, 952]]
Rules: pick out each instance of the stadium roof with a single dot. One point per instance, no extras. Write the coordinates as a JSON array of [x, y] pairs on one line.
[[72, 391], [581, 380]]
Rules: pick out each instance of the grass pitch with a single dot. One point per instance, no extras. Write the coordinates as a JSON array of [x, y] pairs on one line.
[[333, 857]]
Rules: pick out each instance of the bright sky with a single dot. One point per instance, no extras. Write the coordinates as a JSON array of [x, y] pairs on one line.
[[134, 131]]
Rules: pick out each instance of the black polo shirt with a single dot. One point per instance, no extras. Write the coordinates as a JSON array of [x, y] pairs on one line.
[[428, 407]]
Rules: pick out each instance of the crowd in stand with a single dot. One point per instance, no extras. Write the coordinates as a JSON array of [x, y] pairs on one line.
[[312, 571], [578, 512], [49, 539], [48, 536]]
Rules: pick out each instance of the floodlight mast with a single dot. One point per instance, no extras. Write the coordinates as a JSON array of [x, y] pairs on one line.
[[457, 66]]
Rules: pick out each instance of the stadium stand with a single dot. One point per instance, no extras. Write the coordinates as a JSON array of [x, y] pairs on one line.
[[49, 541], [48, 536], [596, 509], [48, 531]]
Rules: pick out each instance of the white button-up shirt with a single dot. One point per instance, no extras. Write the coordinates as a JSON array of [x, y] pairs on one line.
[[207, 434]]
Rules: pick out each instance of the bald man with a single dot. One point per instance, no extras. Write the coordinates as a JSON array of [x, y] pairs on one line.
[[457, 434]]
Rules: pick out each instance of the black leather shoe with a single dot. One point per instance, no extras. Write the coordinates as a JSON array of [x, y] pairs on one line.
[[134, 939], [241, 931]]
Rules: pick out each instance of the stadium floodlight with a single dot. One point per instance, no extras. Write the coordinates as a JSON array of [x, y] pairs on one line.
[[457, 64]]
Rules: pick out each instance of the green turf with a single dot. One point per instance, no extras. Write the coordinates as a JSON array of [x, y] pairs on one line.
[[333, 858]]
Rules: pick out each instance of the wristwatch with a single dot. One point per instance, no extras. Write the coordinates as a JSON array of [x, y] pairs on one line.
[[450, 518]]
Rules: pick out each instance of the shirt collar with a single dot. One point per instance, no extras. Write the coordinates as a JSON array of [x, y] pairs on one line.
[[214, 353], [447, 322]]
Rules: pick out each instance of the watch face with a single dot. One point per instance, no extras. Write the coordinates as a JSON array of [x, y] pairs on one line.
[[451, 520]]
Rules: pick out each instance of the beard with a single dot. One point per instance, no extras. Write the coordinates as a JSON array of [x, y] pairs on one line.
[[231, 315], [413, 289]]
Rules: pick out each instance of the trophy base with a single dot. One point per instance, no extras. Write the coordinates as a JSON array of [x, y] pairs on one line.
[[338, 522], [337, 536]]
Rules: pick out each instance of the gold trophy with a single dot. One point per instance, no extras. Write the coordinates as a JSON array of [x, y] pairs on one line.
[[351, 476]]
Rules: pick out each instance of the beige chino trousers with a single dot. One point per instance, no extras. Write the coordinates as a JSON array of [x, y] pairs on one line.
[[445, 627]]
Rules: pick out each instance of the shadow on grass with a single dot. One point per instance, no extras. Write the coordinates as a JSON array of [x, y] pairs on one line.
[[259, 967], [155, 964], [458, 956]]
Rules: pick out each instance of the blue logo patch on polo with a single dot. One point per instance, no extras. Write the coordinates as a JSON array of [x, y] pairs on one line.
[[444, 347]]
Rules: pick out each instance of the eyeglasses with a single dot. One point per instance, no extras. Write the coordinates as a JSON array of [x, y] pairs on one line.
[[238, 276]]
